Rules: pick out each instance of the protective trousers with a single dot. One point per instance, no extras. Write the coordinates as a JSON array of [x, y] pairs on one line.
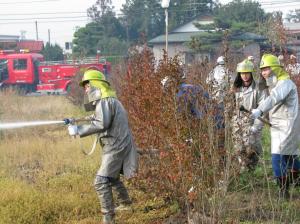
[[104, 187], [286, 169], [246, 143]]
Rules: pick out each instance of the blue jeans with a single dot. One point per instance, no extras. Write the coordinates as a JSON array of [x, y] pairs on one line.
[[281, 164]]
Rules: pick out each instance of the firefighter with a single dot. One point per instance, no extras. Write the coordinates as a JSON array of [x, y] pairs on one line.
[[251, 58], [119, 155], [282, 106], [294, 67], [219, 80], [246, 132]]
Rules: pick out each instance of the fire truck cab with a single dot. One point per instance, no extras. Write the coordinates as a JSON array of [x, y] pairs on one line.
[[30, 72], [20, 69]]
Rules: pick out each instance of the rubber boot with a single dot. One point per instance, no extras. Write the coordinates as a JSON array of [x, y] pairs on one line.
[[122, 196], [103, 188], [283, 184], [294, 178], [108, 219]]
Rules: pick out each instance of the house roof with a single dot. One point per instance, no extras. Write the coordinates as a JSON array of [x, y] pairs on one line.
[[186, 37], [292, 28], [184, 33], [190, 26], [175, 37], [9, 38], [31, 45]]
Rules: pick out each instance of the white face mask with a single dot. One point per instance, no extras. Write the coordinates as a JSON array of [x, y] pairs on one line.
[[91, 98], [271, 80], [94, 94]]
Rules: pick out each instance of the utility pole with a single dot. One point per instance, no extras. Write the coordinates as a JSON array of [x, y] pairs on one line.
[[49, 36], [165, 5], [36, 31]]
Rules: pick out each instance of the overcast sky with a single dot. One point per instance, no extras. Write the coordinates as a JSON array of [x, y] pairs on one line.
[[61, 17]]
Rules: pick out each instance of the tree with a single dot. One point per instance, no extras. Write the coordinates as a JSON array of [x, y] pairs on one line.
[[236, 18], [100, 8], [182, 11], [147, 16], [239, 16], [275, 31], [53, 52], [104, 32], [143, 17]]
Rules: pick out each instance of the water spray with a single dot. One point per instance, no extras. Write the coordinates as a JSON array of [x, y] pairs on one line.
[[28, 124], [66, 121]]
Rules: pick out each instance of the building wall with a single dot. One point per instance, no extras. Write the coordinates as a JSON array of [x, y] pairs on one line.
[[186, 55], [253, 50], [173, 50]]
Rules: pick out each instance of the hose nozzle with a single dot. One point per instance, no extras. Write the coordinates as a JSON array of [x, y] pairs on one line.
[[69, 121]]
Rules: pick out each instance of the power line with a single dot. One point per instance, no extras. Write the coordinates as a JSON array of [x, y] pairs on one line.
[[41, 13], [282, 6], [9, 3], [62, 17], [57, 21], [277, 1], [120, 14], [280, 3]]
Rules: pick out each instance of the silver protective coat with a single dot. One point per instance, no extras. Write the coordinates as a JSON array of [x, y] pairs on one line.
[[282, 106], [118, 149], [218, 81], [250, 98]]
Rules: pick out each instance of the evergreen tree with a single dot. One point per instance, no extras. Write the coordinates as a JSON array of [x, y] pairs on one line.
[[53, 52]]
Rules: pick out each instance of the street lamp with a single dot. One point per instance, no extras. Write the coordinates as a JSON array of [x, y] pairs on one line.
[[165, 5]]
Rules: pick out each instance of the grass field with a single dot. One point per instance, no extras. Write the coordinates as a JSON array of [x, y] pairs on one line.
[[45, 177]]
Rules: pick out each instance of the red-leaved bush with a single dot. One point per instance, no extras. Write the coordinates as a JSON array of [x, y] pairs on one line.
[[190, 160]]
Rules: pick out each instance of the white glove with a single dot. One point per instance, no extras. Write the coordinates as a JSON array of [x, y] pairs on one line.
[[73, 130], [255, 113], [253, 130]]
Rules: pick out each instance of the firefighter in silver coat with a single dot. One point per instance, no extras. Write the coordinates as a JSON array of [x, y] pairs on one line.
[[119, 155], [282, 106], [219, 80], [246, 132]]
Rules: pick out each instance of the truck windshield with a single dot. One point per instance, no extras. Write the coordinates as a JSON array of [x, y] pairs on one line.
[[3, 70], [20, 64]]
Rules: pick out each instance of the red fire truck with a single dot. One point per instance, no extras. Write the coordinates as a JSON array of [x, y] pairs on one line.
[[30, 72]]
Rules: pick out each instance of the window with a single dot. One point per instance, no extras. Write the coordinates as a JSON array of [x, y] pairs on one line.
[[3, 69], [20, 64]]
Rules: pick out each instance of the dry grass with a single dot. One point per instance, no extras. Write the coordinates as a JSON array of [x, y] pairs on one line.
[[44, 176]]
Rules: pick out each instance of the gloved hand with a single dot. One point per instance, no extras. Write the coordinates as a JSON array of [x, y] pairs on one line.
[[73, 130], [255, 113], [253, 129]]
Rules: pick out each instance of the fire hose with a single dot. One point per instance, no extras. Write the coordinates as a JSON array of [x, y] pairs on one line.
[[72, 121], [68, 121]]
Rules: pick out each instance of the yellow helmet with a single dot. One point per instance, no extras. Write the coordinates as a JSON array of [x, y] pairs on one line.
[[245, 66], [92, 74], [269, 60]]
